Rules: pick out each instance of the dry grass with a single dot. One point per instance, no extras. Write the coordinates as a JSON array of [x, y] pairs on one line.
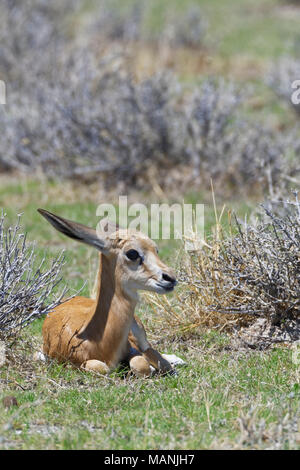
[[202, 289], [245, 281]]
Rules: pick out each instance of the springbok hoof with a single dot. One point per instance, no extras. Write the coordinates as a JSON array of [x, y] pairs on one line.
[[93, 365], [140, 366]]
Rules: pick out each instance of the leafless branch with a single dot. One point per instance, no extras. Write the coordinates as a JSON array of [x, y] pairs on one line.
[[28, 288]]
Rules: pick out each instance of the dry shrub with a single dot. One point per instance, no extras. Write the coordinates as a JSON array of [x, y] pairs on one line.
[[250, 278], [229, 148], [184, 29], [28, 289], [76, 111]]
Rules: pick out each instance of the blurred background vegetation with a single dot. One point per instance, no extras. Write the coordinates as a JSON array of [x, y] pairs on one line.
[[144, 95]]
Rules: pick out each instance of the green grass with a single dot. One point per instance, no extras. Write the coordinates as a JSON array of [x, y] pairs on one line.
[[62, 408]]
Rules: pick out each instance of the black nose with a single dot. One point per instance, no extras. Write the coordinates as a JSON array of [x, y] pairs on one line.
[[168, 278]]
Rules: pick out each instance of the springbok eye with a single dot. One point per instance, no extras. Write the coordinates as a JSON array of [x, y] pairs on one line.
[[132, 255]]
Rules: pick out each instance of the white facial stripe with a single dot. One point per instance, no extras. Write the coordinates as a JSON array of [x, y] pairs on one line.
[[152, 266]]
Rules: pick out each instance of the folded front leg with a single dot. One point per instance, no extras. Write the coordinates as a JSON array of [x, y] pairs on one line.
[[157, 360], [138, 339]]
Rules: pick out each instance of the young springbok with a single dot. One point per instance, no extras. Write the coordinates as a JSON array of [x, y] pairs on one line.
[[99, 334]]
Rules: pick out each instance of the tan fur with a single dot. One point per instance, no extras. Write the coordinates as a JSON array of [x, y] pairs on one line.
[[96, 334]]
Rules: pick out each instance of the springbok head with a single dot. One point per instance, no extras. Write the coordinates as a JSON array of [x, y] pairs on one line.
[[131, 255]]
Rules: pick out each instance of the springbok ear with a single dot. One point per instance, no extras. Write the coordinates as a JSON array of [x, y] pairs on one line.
[[75, 230]]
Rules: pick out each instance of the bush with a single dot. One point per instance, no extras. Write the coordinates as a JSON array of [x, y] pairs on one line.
[[230, 148], [185, 29], [108, 125], [120, 24], [97, 121], [234, 282], [26, 287], [29, 27]]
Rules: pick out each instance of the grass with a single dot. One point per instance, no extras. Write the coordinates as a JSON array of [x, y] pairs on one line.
[[220, 399]]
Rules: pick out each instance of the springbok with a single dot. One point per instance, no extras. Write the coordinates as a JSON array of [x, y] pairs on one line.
[[97, 335]]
